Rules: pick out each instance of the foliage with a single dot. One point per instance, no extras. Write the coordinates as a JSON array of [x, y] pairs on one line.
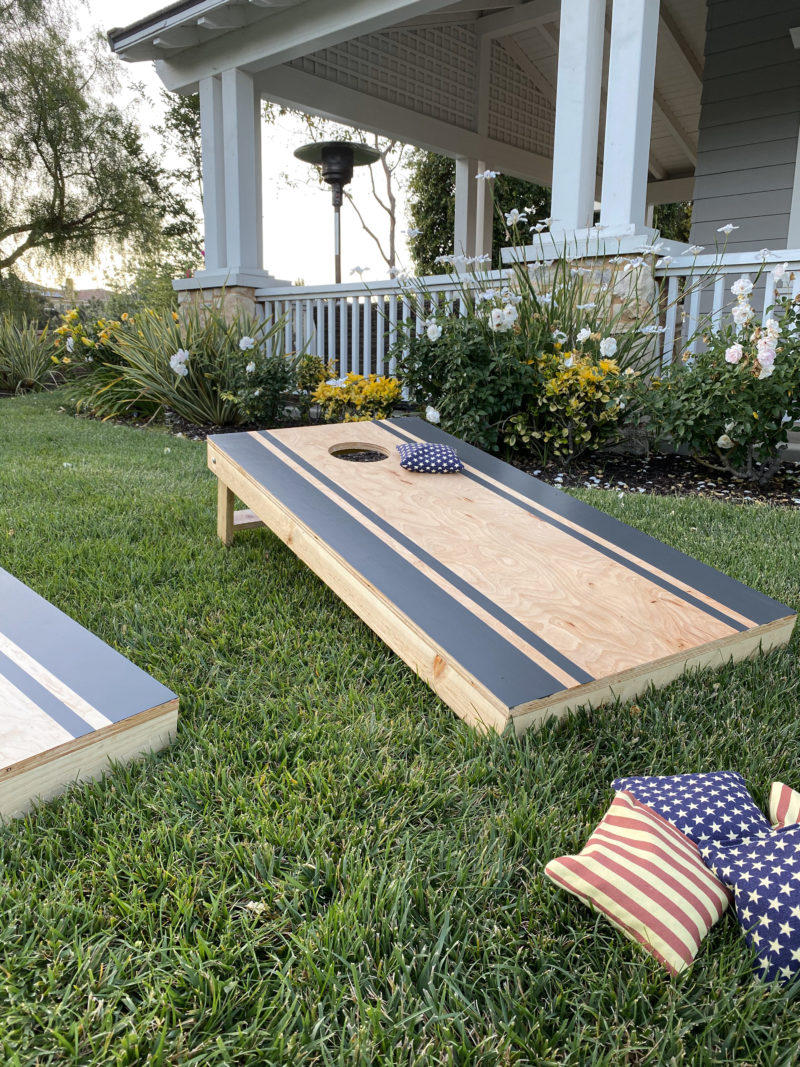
[[535, 358], [196, 365], [83, 340], [357, 399], [673, 221], [311, 372], [579, 407], [21, 301], [75, 176], [180, 131], [475, 385], [432, 190], [26, 356], [326, 840], [733, 403]]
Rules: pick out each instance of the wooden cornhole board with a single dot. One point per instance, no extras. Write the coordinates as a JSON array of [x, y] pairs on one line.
[[513, 600], [68, 703]]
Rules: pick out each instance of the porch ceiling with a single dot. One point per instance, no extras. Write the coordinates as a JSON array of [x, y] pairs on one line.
[[468, 77]]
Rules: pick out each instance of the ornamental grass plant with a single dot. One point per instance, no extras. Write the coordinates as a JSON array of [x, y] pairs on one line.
[[27, 359], [204, 368]]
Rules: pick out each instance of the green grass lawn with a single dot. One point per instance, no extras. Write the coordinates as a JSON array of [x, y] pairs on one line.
[[328, 866]]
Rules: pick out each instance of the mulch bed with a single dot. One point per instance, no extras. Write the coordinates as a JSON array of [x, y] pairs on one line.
[[668, 475]]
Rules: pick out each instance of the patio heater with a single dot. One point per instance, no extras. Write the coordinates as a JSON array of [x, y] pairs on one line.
[[337, 159]]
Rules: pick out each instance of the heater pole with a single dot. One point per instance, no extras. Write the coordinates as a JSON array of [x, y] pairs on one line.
[[336, 160]]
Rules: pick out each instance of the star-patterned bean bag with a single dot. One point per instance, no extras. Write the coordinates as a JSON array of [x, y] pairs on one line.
[[710, 807], [764, 874], [429, 458]]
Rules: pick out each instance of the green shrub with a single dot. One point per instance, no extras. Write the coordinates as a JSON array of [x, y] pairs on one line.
[[580, 406], [357, 399], [475, 386], [733, 404], [524, 362], [26, 356], [312, 372], [205, 369]]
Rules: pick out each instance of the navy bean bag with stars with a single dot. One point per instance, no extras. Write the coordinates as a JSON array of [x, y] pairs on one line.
[[429, 458], [714, 806], [764, 874]]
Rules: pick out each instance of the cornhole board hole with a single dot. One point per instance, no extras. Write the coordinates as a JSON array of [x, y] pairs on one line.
[[513, 600], [68, 703]]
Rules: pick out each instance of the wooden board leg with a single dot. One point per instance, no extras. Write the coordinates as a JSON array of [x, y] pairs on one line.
[[225, 500]]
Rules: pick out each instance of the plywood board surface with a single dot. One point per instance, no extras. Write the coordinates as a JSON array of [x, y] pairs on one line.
[[527, 600], [68, 702]]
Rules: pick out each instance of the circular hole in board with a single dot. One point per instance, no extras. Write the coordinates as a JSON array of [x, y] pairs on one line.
[[356, 452]]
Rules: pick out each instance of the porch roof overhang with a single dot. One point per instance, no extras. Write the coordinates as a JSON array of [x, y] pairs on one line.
[[473, 78]]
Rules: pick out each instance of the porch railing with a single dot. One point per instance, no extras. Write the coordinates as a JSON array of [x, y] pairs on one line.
[[697, 290], [354, 326]]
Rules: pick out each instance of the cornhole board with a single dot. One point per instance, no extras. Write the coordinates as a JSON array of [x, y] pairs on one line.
[[68, 702], [513, 600]]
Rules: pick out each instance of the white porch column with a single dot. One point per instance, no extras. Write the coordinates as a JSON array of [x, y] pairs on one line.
[[241, 117], [629, 110], [580, 72], [466, 207], [213, 149], [473, 212]]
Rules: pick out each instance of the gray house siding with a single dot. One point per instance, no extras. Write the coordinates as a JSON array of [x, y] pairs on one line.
[[747, 144]]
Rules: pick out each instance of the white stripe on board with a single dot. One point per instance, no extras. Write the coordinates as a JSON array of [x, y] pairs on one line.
[[25, 730], [96, 719]]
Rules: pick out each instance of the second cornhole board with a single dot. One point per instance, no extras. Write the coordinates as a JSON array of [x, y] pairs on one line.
[[513, 600], [69, 703]]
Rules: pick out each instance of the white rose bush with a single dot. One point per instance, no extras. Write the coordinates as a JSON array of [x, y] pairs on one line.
[[733, 403]]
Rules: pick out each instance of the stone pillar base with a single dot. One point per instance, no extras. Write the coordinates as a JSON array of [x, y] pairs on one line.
[[233, 291], [231, 300]]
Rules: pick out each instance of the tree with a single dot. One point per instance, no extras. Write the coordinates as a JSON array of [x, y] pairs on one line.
[[673, 221], [74, 176], [180, 131], [432, 188]]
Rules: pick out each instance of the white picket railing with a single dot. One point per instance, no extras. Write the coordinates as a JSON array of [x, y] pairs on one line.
[[355, 325]]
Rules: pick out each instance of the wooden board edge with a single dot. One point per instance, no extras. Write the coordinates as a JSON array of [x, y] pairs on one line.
[[45, 780], [448, 679], [50, 755], [633, 683]]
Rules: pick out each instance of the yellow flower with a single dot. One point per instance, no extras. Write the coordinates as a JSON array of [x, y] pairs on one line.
[[124, 316], [175, 316]]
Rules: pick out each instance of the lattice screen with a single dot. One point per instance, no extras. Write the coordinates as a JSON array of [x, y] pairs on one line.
[[431, 70], [518, 113]]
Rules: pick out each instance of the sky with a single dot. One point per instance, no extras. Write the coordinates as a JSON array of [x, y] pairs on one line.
[[298, 222]]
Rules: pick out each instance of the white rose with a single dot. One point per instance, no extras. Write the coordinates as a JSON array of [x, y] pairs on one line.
[[608, 347], [432, 415], [434, 331]]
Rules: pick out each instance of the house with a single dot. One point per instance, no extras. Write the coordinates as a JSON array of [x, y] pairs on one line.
[[629, 103]]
